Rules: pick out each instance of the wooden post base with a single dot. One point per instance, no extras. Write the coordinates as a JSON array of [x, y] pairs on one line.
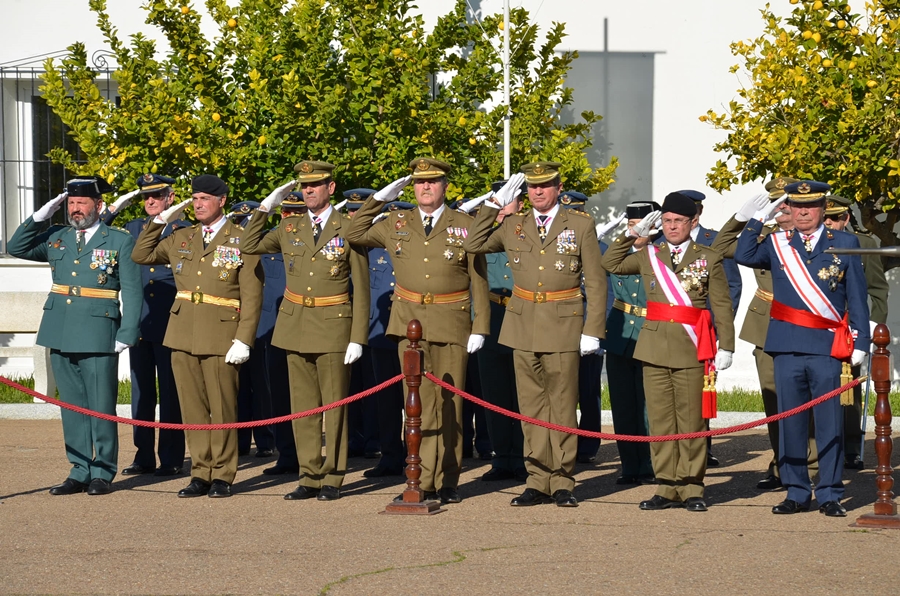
[[875, 521], [413, 504]]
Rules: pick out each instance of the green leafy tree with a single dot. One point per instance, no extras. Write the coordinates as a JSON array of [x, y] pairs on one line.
[[821, 102], [358, 84]]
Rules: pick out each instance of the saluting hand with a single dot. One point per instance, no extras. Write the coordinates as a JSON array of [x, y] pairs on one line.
[[765, 214], [276, 197], [612, 224], [508, 192], [172, 213], [392, 190], [643, 228], [754, 205], [238, 353], [473, 203], [52, 206], [123, 201], [354, 351]]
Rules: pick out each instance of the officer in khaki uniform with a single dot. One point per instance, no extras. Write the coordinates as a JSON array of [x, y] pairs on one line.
[[322, 328], [438, 283], [211, 327], [550, 249], [678, 276]]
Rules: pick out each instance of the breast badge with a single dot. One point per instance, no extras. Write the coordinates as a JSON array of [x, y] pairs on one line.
[[227, 257], [565, 242], [334, 249], [104, 260], [448, 254], [559, 265], [694, 276]]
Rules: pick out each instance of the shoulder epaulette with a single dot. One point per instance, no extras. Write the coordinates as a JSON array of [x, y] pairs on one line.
[[285, 216], [120, 229], [581, 213]]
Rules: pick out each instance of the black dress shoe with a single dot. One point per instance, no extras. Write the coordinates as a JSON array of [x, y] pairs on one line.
[[380, 471], [658, 503], [372, 454], [329, 493], [585, 458], [197, 488], [833, 509], [531, 497], [302, 492], [770, 482], [277, 470], [695, 504], [243, 452], [99, 486], [495, 474], [647, 479], [789, 506], [711, 460], [449, 495], [626, 480], [167, 471], [486, 456], [854, 463], [69, 487], [265, 452], [136, 470], [219, 489], [565, 498]]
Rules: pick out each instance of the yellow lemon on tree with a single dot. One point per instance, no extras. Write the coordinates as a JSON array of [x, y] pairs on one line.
[[396, 52], [216, 117], [854, 31], [795, 1], [806, 34], [826, 63], [472, 140], [817, 5], [500, 25], [816, 37], [841, 24], [232, 23], [871, 84], [261, 140], [852, 64], [185, 10], [462, 121]]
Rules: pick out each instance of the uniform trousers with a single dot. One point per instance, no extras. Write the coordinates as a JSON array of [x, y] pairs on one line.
[[207, 391], [674, 406], [589, 387], [318, 380], [547, 385], [389, 407], [255, 400], [852, 420], [88, 381], [498, 382], [151, 362], [441, 448], [629, 411], [800, 378], [280, 390]]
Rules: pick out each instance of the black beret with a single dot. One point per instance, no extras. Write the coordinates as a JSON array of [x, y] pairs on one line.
[[679, 204], [209, 184]]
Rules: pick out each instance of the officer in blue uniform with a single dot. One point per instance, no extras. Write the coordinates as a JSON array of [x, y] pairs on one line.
[[389, 402], [254, 398], [91, 267], [624, 372], [149, 359], [812, 290]]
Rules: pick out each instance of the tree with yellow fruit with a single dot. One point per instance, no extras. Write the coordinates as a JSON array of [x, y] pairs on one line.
[[818, 99], [360, 85]]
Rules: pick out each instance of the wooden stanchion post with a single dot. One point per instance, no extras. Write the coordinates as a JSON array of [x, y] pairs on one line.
[[413, 498], [885, 515]]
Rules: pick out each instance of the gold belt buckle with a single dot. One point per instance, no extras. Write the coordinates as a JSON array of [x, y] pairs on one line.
[[428, 298], [504, 301], [308, 301], [540, 297], [197, 297], [73, 290]]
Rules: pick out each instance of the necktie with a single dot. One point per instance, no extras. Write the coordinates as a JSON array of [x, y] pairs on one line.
[[207, 236], [807, 241], [542, 226], [317, 228], [428, 220], [79, 240], [676, 256]]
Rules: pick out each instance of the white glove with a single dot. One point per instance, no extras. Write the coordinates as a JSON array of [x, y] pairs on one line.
[[172, 212], [857, 358], [123, 201], [51, 207], [392, 190], [588, 345], [765, 214], [476, 342], [723, 359], [120, 347], [277, 196], [508, 192], [339, 206], [643, 228], [472, 203], [354, 351], [604, 229], [749, 209], [238, 353]]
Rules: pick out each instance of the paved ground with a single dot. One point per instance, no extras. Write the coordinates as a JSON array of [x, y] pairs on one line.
[[143, 540]]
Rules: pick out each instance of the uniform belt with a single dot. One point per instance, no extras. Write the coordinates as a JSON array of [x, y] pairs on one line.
[[498, 299], [430, 298], [841, 346], [312, 302], [630, 309], [540, 297], [764, 295], [201, 298], [84, 292]]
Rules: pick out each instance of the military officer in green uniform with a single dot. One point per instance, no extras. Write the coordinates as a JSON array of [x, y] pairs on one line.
[[677, 343], [91, 268], [211, 328], [550, 249], [320, 324], [837, 217], [438, 283]]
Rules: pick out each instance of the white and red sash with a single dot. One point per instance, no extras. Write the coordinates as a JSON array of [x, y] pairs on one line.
[[671, 287]]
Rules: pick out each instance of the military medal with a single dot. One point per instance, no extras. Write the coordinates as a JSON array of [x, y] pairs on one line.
[[101, 279], [334, 270], [573, 265], [178, 267], [381, 260], [289, 228], [559, 265], [223, 274], [518, 231], [57, 243], [397, 248], [399, 224], [448, 254]]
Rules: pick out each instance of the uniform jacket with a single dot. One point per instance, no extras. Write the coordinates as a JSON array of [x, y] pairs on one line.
[[500, 283], [667, 344], [623, 328], [73, 323], [555, 264], [273, 293], [205, 329], [381, 289], [436, 264], [310, 272], [707, 237], [784, 337]]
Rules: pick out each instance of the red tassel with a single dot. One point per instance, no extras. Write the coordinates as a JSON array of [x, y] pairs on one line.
[[709, 393]]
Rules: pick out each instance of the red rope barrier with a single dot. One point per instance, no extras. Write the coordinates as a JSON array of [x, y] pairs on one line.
[[640, 438], [173, 426]]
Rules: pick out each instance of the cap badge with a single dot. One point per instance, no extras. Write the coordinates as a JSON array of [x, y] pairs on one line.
[[148, 177], [422, 165], [538, 169], [245, 208], [305, 168], [565, 200], [803, 188], [780, 183]]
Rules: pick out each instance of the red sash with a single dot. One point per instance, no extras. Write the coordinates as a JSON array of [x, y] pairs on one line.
[[841, 347]]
